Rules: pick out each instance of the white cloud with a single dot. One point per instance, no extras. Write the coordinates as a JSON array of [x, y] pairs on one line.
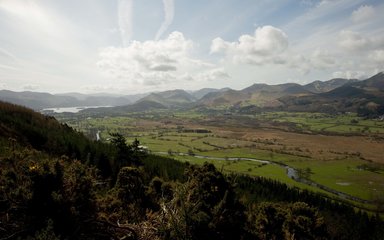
[[267, 40], [219, 45], [158, 56], [354, 41], [307, 2], [50, 43], [299, 62], [264, 46], [6, 56], [169, 12], [350, 74], [3, 85], [23, 9], [30, 87], [323, 59], [212, 75], [318, 15], [152, 63], [269, 45], [39, 38], [319, 59], [8, 67], [36, 19], [378, 56], [103, 88], [364, 47], [125, 18], [363, 13]]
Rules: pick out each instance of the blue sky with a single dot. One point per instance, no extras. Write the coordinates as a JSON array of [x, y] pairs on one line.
[[132, 46]]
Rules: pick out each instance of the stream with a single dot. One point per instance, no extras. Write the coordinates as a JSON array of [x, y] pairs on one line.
[[290, 171], [98, 135]]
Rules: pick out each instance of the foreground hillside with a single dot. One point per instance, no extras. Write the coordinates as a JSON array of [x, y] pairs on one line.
[[57, 184]]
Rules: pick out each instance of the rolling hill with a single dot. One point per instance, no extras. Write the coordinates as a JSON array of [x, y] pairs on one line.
[[204, 91], [261, 95], [30, 129], [39, 101], [365, 97], [36, 100], [326, 86], [329, 96], [172, 98]]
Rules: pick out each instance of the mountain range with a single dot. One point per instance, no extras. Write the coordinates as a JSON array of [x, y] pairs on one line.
[[334, 95], [365, 97], [39, 100]]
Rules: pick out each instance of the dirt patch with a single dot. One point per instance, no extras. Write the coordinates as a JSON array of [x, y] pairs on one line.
[[322, 147]]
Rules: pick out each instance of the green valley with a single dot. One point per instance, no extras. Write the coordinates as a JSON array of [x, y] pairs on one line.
[[338, 150], [221, 164]]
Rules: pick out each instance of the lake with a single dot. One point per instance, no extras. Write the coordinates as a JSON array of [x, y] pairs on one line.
[[69, 109]]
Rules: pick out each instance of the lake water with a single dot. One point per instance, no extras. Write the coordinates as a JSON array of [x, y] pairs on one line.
[[69, 109]]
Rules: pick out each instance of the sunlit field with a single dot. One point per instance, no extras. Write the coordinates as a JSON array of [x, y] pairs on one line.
[[351, 163]]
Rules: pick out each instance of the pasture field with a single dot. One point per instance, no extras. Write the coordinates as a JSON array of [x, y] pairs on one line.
[[351, 176], [270, 171], [247, 167], [321, 122], [351, 164]]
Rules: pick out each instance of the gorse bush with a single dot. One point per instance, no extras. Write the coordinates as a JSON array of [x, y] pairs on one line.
[[36, 188]]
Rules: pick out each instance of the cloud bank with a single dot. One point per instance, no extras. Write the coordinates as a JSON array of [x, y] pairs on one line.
[[363, 13], [265, 46], [48, 43], [154, 63]]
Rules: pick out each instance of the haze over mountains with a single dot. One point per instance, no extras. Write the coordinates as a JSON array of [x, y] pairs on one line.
[[38, 100], [346, 94]]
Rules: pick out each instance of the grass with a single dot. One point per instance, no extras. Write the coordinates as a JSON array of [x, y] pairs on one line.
[[161, 132], [345, 176], [343, 123], [270, 171], [244, 167], [250, 152]]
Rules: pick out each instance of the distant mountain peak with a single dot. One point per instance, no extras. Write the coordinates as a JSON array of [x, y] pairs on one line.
[[170, 98], [260, 94], [327, 86]]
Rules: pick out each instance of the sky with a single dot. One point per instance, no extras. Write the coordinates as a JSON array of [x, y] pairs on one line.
[[136, 46]]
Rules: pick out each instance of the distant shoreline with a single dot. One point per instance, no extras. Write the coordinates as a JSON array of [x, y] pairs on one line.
[[68, 109]]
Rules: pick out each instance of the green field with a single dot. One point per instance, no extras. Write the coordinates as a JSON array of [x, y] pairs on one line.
[[317, 122], [162, 135], [346, 176]]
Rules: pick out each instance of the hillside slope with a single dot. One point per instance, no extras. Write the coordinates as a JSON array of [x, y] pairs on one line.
[[261, 95], [26, 128], [365, 97], [39, 101], [326, 86], [172, 98]]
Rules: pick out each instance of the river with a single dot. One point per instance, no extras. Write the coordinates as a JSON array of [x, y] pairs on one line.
[[290, 171]]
